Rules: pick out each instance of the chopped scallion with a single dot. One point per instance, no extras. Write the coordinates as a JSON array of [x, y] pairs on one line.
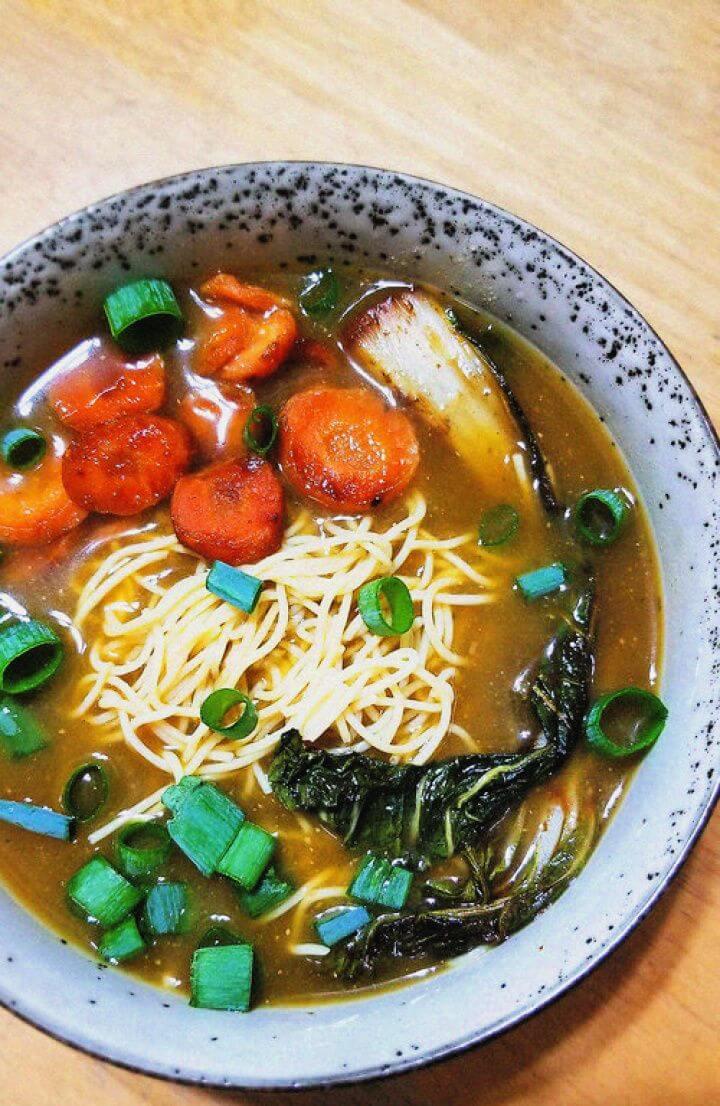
[[167, 909], [236, 587], [30, 653], [121, 942], [142, 847], [379, 882], [397, 597], [600, 516], [320, 293], [248, 855], [542, 581], [20, 734], [174, 796], [102, 893], [217, 705], [498, 525], [204, 825], [22, 448], [261, 430], [269, 893], [86, 791], [221, 977], [335, 925], [640, 719], [37, 819], [144, 315]]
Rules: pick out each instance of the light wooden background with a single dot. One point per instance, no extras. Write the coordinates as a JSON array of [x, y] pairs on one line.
[[598, 120]]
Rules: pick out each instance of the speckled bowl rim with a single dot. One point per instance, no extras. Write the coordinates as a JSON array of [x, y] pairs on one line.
[[534, 1005]]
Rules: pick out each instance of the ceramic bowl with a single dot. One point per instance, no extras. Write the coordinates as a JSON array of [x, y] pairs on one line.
[[300, 215]]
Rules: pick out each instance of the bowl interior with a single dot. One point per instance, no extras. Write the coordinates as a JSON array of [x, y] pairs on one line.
[[303, 214]]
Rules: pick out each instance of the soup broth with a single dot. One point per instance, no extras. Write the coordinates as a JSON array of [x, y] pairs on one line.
[[499, 641]]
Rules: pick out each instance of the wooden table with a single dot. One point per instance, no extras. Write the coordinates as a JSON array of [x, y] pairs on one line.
[[596, 120]]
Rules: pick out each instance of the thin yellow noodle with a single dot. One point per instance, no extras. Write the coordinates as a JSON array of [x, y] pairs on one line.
[[161, 643]]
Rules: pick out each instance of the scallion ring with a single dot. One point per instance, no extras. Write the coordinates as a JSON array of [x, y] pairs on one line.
[[86, 791], [22, 448], [498, 525], [600, 516], [645, 717], [216, 706], [144, 315], [30, 653], [261, 430], [320, 293], [397, 597], [142, 847]]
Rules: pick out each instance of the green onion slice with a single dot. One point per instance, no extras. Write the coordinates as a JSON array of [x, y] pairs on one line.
[[86, 791], [121, 942], [397, 596], [37, 819], [381, 883], [498, 525], [640, 717], [22, 448], [144, 315], [102, 893], [221, 977], [216, 706], [261, 430], [174, 796], [600, 516], [236, 587], [30, 653], [167, 909], [248, 855], [542, 581], [340, 922], [204, 825], [142, 847], [320, 293], [20, 734], [269, 893]]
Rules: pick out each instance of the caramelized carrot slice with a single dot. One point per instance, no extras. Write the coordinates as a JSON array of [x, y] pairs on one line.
[[252, 337], [241, 345], [34, 506], [224, 286], [216, 419], [231, 512], [344, 448], [106, 386], [127, 465]]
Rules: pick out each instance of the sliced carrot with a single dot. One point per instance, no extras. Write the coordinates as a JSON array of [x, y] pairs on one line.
[[344, 448], [106, 386], [216, 419], [251, 338], [34, 506], [224, 286], [241, 345], [231, 512], [127, 465]]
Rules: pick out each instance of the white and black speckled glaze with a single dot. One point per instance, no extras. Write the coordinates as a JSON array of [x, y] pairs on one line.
[[297, 214]]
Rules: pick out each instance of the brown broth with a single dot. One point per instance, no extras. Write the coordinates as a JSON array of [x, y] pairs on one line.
[[503, 640]]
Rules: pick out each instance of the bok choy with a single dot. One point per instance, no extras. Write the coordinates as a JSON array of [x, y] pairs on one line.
[[431, 811]]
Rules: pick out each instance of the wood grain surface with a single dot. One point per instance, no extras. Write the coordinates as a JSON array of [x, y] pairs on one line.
[[597, 120]]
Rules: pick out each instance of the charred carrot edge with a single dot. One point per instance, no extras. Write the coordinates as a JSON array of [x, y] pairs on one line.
[[225, 286]]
